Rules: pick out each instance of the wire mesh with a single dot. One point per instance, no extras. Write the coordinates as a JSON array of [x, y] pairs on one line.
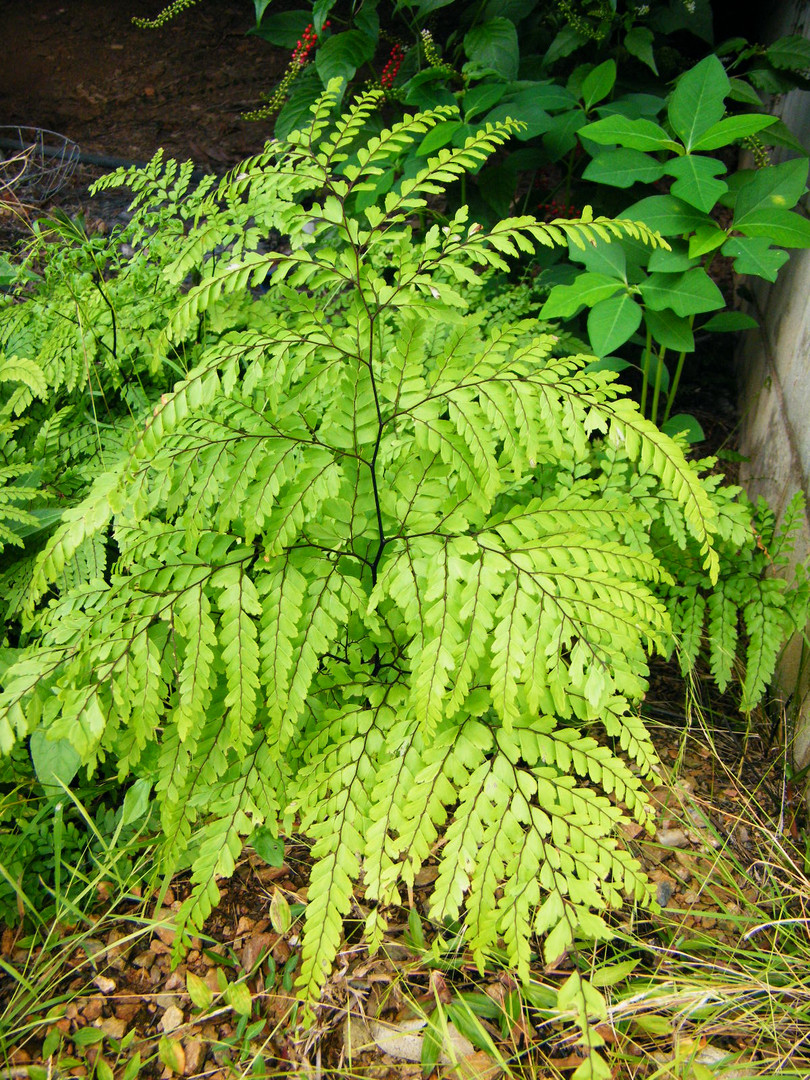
[[34, 162]]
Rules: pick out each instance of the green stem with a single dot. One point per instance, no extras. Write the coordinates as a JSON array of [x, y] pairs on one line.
[[673, 390], [657, 389], [645, 370]]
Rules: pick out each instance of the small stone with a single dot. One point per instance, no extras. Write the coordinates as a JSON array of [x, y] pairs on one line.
[[194, 1051], [672, 838], [663, 894], [105, 985], [171, 1020], [114, 1027]]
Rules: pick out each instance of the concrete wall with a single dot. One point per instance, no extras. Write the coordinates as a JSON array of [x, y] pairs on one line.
[[775, 390]]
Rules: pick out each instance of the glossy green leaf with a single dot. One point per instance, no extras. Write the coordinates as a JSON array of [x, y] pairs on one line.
[[670, 330], [638, 42], [743, 91], [477, 99], [612, 322], [783, 227], [667, 214], [561, 133], [342, 54], [199, 991], [525, 107], [494, 44], [695, 180], [698, 101], [754, 255], [688, 293], [267, 846], [686, 425], [283, 29], [54, 760], [238, 996], [622, 168], [776, 188], [440, 136], [638, 134], [587, 290], [566, 42], [730, 129], [320, 13], [598, 83], [729, 322], [705, 238], [673, 261], [136, 801]]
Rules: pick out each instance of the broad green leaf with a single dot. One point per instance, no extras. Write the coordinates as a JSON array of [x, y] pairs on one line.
[[779, 134], [638, 43], [778, 187], [783, 227], [306, 90], [525, 107], [791, 53], [729, 321], [695, 181], [598, 83], [698, 101], [633, 106], [259, 7], [638, 134], [684, 424], [673, 261], [743, 91], [566, 42], [494, 44], [689, 293], [561, 134], [342, 54], [670, 330], [320, 13], [440, 136], [602, 258], [705, 238], [54, 760], [622, 168], [730, 129], [587, 290], [479, 98], [238, 996], [611, 974], [612, 322], [667, 214], [267, 846], [136, 801], [284, 28], [754, 255], [199, 991], [425, 7]]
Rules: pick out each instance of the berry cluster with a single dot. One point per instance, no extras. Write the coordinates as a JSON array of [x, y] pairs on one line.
[[555, 209], [298, 61], [305, 45], [389, 72]]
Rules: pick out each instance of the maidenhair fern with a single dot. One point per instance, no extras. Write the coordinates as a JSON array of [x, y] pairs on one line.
[[374, 570]]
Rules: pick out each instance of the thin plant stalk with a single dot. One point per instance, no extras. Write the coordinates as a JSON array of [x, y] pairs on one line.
[[657, 388], [645, 370]]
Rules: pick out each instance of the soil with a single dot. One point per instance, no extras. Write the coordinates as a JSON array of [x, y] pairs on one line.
[[84, 70]]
